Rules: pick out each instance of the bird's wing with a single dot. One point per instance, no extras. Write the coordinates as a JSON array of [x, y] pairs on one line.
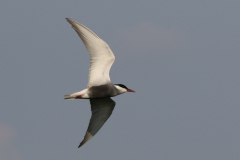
[[101, 111], [101, 55]]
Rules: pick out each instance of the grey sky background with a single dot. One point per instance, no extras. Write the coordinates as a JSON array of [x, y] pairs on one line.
[[181, 58]]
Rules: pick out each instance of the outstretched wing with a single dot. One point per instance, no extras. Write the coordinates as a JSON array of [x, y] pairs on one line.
[[101, 55], [101, 111]]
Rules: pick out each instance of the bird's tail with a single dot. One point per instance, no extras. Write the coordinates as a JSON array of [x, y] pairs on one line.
[[70, 96], [77, 95]]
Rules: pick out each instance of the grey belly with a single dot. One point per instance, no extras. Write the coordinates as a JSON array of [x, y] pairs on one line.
[[107, 90]]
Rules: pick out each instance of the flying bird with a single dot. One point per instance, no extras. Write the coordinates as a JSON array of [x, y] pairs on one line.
[[99, 88]]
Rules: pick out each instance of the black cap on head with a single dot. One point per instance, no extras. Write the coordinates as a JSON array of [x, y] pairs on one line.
[[121, 85]]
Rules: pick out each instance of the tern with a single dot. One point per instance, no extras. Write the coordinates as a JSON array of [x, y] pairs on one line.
[[99, 88]]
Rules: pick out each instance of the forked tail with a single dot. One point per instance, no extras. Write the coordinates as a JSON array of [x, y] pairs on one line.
[[70, 96], [78, 95]]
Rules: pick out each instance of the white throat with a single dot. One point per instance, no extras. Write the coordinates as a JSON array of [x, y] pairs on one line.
[[120, 89]]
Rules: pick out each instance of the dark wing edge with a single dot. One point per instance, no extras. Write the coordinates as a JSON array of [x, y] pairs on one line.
[[101, 111]]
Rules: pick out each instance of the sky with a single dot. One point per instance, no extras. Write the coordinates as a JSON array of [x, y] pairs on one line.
[[181, 57]]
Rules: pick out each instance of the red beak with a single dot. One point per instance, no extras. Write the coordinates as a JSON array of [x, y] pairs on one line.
[[129, 90]]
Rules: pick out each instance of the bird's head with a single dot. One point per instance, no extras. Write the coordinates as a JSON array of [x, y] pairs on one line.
[[122, 88]]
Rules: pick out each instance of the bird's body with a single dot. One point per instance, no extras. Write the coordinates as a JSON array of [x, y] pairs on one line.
[[99, 88], [101, 91]]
